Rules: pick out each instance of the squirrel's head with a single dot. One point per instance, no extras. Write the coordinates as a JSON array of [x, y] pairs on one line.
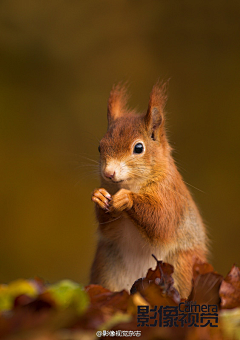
[[135, 146]]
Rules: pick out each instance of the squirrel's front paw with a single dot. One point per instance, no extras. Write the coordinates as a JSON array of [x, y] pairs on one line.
[[122, 200], [102, 198]]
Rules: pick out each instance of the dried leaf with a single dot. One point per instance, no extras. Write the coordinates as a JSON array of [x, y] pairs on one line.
[[93, 318], [102, 297], [206, 289], [230, 289], [161, 277], [156, 296], [201, 268]]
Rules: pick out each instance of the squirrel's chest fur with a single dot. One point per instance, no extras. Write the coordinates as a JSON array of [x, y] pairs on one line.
[[132, 256]]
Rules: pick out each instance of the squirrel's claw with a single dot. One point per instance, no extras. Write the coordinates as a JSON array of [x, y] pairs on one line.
[[101, 197], [121, 201]]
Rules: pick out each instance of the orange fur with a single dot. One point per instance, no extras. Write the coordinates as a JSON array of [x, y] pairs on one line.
[[144, 206]]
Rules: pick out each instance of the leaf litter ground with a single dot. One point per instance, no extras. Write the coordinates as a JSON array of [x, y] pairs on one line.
[[32, 309]]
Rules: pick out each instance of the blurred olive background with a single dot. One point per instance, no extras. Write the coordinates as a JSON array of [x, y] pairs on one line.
[[58, 61]]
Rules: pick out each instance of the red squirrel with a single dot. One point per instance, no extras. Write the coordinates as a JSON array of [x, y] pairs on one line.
[[143, 205]]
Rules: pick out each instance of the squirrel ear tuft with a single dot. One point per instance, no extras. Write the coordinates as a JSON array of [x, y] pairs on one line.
[[117, 102], [154, 117]]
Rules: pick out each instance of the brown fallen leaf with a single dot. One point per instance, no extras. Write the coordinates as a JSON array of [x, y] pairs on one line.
[[230, 289], [102, 297], [103, 305], [159, 282], [97, 293], [155, 296], [206, 284], [93, 318], [201, 268]]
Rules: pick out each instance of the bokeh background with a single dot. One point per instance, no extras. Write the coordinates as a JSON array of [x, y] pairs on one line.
[[58, 61]]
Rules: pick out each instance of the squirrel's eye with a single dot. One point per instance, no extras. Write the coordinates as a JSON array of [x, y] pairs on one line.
[[99, 149], [138, 148]]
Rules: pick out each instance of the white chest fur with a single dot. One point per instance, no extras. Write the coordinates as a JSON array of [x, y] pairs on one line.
[[136, 256]]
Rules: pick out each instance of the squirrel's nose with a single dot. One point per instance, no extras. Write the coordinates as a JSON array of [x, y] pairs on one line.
[[109, 174]]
